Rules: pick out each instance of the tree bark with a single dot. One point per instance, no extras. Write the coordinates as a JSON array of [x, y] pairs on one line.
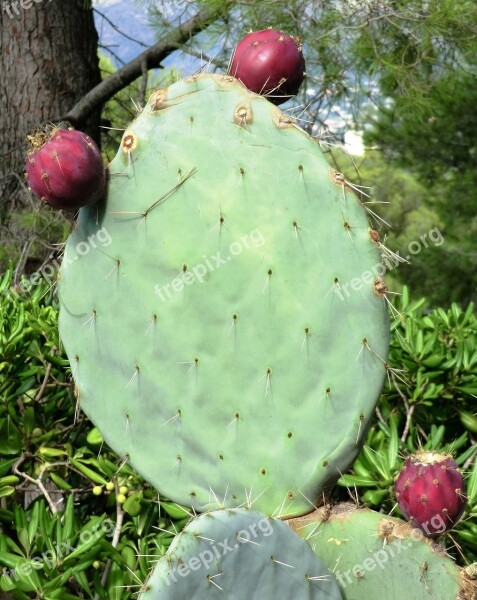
[[48, 62]]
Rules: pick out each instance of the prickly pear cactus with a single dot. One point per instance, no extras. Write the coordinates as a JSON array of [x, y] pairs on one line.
[[240, 554], [376, 556], [230, 339]]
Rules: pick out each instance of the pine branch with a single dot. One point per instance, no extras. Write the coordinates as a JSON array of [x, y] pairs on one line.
[[150, 58]]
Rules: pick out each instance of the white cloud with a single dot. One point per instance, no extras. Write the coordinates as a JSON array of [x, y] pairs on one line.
[[100, 3], [354, 142]]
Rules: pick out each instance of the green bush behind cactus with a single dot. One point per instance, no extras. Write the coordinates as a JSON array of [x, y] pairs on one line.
[[38, 431], [431, 404], [40, 439]]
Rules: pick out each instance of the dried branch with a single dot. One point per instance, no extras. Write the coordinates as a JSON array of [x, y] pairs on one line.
[[115, 540], [150, 58]]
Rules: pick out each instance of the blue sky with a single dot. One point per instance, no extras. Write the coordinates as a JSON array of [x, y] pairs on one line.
[[130, 18]]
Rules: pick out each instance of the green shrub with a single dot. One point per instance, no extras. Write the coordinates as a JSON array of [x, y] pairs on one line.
[[429, 402], [60, 486]]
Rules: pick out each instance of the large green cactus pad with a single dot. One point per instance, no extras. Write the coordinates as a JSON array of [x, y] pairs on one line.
[[229, 339], [375, 556], [239, 554]]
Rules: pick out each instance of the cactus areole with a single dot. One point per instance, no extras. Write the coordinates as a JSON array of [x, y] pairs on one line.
[[65, 169], [269, 63], [430, 492], [216, 341]]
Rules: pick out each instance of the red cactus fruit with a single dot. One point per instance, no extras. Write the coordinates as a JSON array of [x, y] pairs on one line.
[[270, 63], [65, 168], [430, 492]]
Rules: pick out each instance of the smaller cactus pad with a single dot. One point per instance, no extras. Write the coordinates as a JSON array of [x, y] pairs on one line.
[[374, 556], [239, 554]]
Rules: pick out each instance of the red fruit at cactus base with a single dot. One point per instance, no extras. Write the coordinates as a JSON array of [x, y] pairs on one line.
[[430, 492], [269, 63], [65, 169]]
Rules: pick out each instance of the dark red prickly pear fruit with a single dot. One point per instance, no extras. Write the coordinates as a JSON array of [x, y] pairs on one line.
[[269, 63], [65, 169], [430, 492]]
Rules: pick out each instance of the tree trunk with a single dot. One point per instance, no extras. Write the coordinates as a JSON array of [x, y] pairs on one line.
[[48, 62]]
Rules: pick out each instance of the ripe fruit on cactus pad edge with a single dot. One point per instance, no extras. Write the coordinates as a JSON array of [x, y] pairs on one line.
[[430, 492], [269, 63], [65, 169]]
